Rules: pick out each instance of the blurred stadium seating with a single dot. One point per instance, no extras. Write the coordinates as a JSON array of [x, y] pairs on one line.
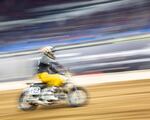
[[30, 25]]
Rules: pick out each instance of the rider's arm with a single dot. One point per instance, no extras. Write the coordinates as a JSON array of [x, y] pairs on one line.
[[57, 68]]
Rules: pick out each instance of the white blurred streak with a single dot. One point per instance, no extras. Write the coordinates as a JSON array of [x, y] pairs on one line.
[[107, 41], [13, 23], [66, 5], [112, 5], [2, 55], [108, 55], [67, 55], [112, 63]]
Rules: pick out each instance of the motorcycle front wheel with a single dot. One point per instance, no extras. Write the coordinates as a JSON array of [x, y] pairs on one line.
[[77, 97]]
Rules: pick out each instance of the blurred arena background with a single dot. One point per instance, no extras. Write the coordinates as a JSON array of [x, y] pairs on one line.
[[99, 41]]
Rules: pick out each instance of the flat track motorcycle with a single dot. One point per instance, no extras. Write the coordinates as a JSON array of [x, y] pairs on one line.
[[40, 94]]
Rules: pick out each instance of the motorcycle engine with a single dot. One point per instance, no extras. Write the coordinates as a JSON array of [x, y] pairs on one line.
[[47, 93]]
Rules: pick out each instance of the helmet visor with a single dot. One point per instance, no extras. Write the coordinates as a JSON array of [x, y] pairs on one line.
[[50, 55]]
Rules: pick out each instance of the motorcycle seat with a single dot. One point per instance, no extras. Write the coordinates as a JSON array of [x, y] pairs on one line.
[[41, 85]]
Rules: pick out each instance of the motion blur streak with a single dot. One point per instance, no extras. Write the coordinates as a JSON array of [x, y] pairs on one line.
[[115, 56], [109, 55], [68, 55], [114, 101], [112, 63], [70, 14]]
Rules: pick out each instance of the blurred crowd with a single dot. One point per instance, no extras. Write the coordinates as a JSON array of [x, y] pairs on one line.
[[108, 19], [27, 25]]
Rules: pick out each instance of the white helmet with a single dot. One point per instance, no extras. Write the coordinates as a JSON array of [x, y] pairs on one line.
[[48, 51]]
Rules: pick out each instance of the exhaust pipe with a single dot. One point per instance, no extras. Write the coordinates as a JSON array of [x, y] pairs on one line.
[[45, 103]]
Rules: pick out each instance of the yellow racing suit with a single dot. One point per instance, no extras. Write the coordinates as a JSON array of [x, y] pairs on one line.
[[48, 72], [51, 79]]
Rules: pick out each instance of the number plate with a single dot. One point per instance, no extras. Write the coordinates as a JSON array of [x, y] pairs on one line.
[[34, 90]]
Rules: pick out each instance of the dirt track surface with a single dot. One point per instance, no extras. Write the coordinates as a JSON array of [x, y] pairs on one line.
[[113, 101]]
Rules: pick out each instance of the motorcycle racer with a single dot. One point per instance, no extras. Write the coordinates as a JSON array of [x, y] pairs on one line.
[[49, 69], [56, 86]]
